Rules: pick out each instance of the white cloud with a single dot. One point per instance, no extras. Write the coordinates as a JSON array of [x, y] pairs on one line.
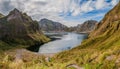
[[100, 4], [114, 2], [52, 8], [87, 6]]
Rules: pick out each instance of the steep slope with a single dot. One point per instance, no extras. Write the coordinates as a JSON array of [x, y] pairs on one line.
[[49, 25], [87, 26], [107, 31], [101, 49], [1, 15], [18, 27], [110, 19]]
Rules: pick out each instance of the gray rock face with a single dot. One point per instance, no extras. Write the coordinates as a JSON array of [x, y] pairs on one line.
[[15, 14], [18, 16], [87, 26], [49, 25]]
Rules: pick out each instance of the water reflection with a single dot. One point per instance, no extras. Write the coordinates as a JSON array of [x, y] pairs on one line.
[[65, 43]]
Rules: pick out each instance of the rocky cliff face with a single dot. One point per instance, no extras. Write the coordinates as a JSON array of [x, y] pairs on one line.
[[49, 25], [87, 26], [17, 25]]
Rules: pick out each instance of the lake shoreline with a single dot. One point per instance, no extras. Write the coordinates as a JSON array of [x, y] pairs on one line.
[[35, 48], [66, 42]]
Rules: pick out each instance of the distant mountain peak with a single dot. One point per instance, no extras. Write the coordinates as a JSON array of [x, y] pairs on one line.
[[14, 14], [18, 16], [87, 26], [45, 19], [16, 10], [49, 25], [18, 25]]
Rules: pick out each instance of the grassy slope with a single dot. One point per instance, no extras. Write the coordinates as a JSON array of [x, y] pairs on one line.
[[103, 43], [94, 51], [18, 31], [100, 51], [1, 15], [10, 43]]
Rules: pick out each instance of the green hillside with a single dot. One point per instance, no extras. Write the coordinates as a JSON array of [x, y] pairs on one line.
[[1, 15], [18, 29], [100, 51]]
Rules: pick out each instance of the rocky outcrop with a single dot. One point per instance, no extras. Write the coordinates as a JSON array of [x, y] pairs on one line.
[[19, 26], [86, 27], [49, 25]]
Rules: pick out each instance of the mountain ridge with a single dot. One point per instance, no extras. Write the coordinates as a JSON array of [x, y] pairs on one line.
[[100, 51], [18, 25], [49, 25], [87, 26]]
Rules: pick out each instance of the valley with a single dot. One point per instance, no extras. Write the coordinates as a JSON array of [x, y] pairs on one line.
[[26, 43]]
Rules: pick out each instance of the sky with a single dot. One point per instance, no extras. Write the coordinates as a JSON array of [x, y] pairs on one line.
[[67, 12]]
